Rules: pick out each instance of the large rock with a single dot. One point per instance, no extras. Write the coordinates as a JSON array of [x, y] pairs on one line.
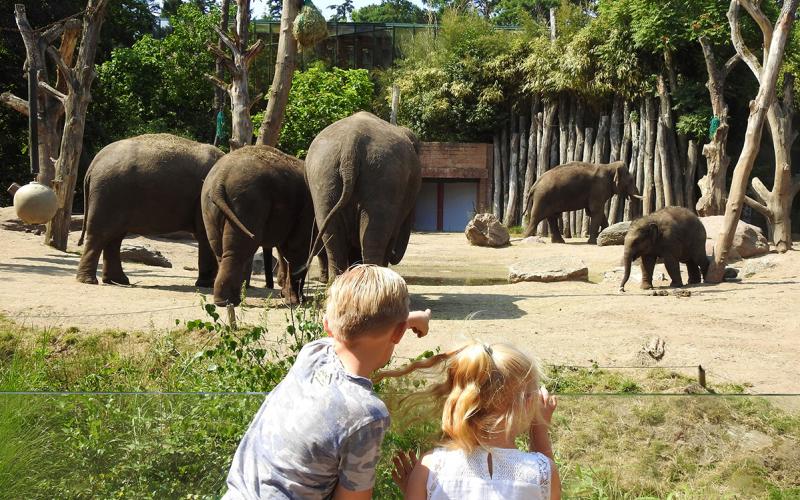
[[613, 234], [756, 266], [748, 241], [549, 269], [485, 230], [143, 254]]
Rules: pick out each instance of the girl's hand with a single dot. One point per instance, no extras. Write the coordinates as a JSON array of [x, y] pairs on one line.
[[418, 322], [403, 465], [547, 404]]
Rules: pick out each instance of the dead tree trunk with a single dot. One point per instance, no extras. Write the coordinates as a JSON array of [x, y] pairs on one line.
[[285, 61], [713, 184], [78, 82], [497, 184], [613, 212], [651, 120], [523, 163], [670, 165], [238, 64], [628, 212], [505, 165], [640, 162], [49, 104], [530, 173], [219, 69], [617, 121], [600, 147], [588, 146], [692, 157], [563, 146], [658, 167], [774, 47], [678, 143], [510, 217], [543, 164]]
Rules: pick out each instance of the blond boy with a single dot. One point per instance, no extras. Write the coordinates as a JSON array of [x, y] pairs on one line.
[[318, 434]]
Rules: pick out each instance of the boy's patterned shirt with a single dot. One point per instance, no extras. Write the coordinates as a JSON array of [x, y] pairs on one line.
[[320, 426]]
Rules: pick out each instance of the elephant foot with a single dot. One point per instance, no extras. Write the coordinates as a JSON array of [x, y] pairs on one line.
[[116, 280], [204, 283], [86, 278], [646, 285], [557, 240], [694, 281], [676, 284], [592, 241]]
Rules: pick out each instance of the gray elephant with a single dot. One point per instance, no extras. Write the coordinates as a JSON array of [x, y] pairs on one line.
[[146, 185], [577, 186], [255, 197], [675, 235], [364, 176]]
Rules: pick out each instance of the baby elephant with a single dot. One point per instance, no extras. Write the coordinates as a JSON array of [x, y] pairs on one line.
[[255, 197], [675, 235]]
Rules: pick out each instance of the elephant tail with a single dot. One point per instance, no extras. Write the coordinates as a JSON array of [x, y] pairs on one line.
[[219, 199], [347, 171], [85, 207]]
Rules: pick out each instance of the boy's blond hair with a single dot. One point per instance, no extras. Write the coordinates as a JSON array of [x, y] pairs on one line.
[[364, 299]]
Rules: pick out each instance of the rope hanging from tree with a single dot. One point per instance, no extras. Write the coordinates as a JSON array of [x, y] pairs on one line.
[[713, 126], [309, 26]]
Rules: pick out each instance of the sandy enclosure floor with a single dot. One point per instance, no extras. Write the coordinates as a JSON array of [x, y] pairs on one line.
[[746, 331]]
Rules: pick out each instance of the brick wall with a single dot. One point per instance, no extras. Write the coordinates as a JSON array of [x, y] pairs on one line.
[[456, 160]]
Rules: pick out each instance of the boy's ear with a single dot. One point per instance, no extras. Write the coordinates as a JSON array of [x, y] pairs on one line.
[[326, 327], [398, 332]]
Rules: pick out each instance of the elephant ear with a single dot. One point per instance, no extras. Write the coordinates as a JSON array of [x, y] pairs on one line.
[[652, 232], [619, 180]]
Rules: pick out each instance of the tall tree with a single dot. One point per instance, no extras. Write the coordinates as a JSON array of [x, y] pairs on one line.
[[390, 11], [768, 77], [342, 10]]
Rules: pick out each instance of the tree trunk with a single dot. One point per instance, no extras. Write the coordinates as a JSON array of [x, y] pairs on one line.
[[511, 204], [563, 146], [285, 61], [543, 164], [658, 175], [633, 168], [533, 146], [713, 184], [662, 160], [670, 158], [619, 119], [692, 157], [78, 82], [678, 149], [637, 210], [600, 146], [583, 217], [504, 161], [497, 184], [523, 163], [758, 109], [649, 155]]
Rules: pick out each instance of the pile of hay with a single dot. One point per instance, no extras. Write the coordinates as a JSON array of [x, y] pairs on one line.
[[309, 26]]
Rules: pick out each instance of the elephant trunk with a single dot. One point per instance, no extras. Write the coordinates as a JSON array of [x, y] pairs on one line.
[[531, 226], [627, 258], [85, 208]]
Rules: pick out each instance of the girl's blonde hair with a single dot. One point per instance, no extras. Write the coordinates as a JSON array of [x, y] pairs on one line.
[[488, 390]]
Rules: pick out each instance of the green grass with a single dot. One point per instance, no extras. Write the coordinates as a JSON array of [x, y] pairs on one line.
[[179, 446]]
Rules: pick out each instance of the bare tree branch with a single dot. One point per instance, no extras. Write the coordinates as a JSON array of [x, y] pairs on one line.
[[763, 22], [14, 102], [218, 82], [52, 91], [758, 207], [738, 42], [253, 51], [730, 63], [67, 50], [69, 75], [760, 191], [223, 57], [255, 100], [227, 41]]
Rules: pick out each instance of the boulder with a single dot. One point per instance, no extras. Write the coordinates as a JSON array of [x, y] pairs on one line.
[[748, 241], [485, 230], [613, 234], [143, 254], [755, 266], [549, 269]]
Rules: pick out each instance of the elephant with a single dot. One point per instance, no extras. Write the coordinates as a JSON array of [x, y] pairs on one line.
[[675, 235], [255, 197], [364, 176], [575, 186], [149, 185]]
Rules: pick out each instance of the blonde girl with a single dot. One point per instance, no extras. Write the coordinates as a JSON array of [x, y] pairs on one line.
[[489, 397]]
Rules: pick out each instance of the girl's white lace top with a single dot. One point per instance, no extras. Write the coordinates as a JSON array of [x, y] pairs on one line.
[[515, 475]]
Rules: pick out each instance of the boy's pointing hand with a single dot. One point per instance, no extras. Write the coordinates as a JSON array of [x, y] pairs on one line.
[[418, 322]]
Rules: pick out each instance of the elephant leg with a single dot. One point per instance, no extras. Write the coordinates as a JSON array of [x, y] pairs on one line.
[[247, 272], [238, 250], [702, 262], [674, 270], [376, 246], [322, 260], [87, 269], [206, 261], [597, 223], [555, 233], [269, 266], [694, 272], [112, 264], [648, 264]]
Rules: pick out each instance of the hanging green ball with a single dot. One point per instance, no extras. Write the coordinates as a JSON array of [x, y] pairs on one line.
[[713, 126]]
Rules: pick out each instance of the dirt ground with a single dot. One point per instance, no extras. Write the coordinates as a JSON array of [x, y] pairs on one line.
[[743, 331]]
